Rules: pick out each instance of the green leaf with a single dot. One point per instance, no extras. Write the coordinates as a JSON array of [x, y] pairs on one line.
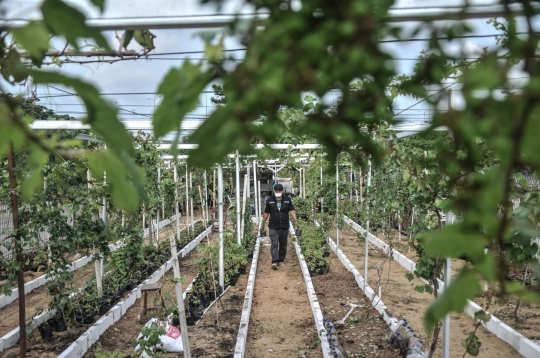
[[482, 316], [12, 68], [406, 176], [454, 298], [99, 3], [486, 266], [34, 38], [522, 292], [454, 241], [181, 89], [123, 192], [420, 289], [409, 276], [64, 20], [103, 120], [102, 116], [34, 181], [145, 38], [128, 35]]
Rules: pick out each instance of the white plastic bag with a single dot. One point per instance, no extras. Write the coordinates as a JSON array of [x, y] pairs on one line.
[[170, 342]]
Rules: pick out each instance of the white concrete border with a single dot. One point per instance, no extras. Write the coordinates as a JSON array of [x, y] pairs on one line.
[[40, 281], [241, 338], [317, 312], [91, 336], [11, 338], [519, 342]]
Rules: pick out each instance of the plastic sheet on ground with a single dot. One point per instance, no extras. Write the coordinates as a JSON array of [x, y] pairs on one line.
[[171, 342]]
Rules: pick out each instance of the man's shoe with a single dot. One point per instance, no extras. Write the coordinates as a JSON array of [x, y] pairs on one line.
[[280, 264], [275, 266]]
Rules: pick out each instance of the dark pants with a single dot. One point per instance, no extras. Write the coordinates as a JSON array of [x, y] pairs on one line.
[[278, 250]]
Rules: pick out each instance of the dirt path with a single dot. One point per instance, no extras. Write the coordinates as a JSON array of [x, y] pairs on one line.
[[401, 298], [281, 317]]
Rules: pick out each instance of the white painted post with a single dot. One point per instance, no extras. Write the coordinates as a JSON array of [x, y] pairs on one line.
[[367, 233], [176, 205], [255, 191], [321, 187], [158, 210], [260, 201], [304, 181], [238, 220], [214, 190], [186, 209], [246, 181], [177, 275], [97, 265], [448, 262], [191, 200], [447, 272], [337, 199], [220, 229], [206, 195]]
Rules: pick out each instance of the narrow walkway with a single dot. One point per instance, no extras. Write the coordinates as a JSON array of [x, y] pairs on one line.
[[281, 322], [400, 296]]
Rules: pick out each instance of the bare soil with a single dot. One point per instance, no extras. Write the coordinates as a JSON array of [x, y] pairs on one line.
[[36, 301], [364, 333], [403, 301], [528, 320]]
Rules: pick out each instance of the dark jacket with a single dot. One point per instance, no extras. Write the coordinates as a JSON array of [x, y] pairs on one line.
[[279, 219]]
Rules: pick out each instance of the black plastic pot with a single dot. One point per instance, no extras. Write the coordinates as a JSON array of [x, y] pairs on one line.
[[60, 324], [176, 321], [130, 286], [313, 273], [88, 318], [190, 320], [242, 270], [323, 271], [234, 279], [205, 301], [45, 330], [104, 308], [211, 295]]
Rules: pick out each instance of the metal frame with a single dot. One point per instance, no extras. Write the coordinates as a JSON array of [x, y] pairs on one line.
[[167, 14]]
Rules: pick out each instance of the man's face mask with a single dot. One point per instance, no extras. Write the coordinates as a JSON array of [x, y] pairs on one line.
[[278, 195]]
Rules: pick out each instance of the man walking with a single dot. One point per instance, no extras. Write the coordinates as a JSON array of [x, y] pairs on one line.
[[278, 208]]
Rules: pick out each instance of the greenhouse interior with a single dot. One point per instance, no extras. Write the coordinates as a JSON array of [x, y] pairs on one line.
[[270, 178]]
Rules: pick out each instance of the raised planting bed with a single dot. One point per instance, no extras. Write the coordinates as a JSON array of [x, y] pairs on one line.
[[88, 306], [327, 293], [206, 286], [43, 279], [207, 338], [404, 300], [314, 248]]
